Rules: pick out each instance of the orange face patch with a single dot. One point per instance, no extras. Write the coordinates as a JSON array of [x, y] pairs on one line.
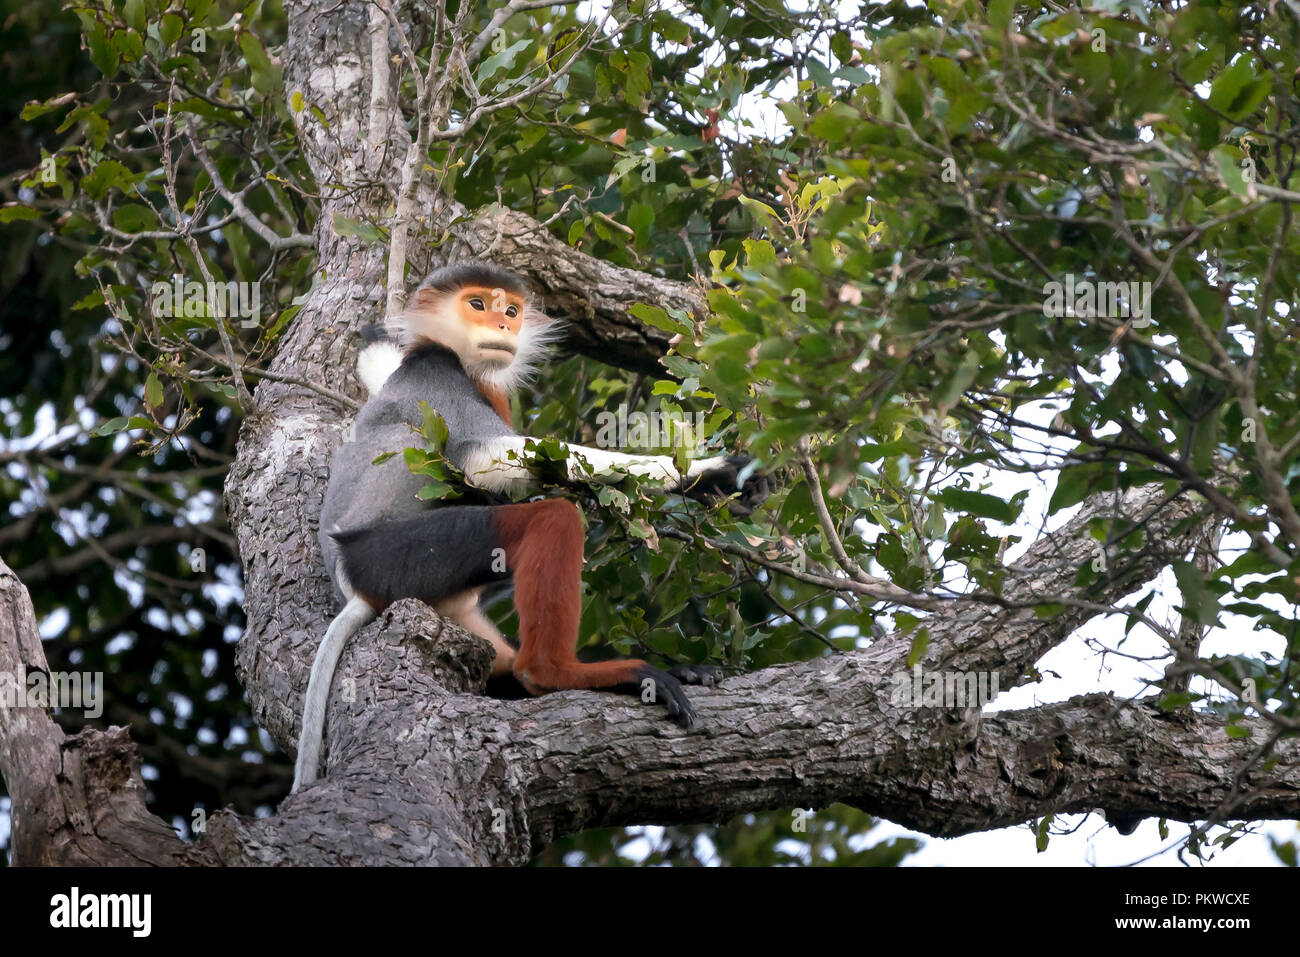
[[491, 308]]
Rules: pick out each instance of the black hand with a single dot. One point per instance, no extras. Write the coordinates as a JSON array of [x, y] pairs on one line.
[[737, 475]]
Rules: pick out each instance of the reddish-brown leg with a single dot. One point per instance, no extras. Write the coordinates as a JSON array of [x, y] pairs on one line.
[[543, 543]]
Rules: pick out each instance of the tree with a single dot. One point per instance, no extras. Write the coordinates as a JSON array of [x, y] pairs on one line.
[[865, 299]]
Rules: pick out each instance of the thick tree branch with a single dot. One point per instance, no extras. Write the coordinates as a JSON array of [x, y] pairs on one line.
[[506, 777], [592, 295], [760, 750]]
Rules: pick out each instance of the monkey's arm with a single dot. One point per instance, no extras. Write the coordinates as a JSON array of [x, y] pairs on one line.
[[501, 465]]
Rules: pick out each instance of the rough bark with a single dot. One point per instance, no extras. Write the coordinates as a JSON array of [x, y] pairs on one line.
[[79, 799], [423, 770], [592, 297]]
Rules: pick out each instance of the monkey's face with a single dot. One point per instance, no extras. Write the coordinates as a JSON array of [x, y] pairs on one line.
[[497, 333], [491, 319]]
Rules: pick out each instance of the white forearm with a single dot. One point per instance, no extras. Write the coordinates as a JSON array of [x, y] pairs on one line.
[[501, 465], [603, 466]]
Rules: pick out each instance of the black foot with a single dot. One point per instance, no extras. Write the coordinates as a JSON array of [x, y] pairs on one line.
[[665, 688], [658, 687], [707, 676], [506, 687]]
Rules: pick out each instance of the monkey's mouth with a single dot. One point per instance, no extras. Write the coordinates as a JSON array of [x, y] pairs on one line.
[[497, 346]]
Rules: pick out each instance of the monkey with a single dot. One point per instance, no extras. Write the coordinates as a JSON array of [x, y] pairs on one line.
[[471, 337]]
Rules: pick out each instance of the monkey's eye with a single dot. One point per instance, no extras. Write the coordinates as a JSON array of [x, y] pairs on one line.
[[512, 310], [477, 303]]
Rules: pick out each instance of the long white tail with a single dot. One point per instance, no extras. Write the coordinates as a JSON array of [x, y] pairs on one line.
[[356, 614]]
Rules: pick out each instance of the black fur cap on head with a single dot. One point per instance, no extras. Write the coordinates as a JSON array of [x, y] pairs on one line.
[[475, 273]]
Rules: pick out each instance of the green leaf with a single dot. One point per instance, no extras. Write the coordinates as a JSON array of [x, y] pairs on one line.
[[92, 300], [14, 212], [759, 209], [240, 251], [169, 29], [982, 504], [654, 316], [37, 108], [1230, 169], [623, 167], [759, 255], [920, 642], [833, 123], [957, 384], [153, 390], [365, 232], [504, 59], [134, 218], [641, 217], [129, 45], [1237, 91], [854, 74], [265, 75], [135, 15], [434, 427], [436, 490], [110, 427], [818, 72], [102, 52], [842, 46], [104, 177], [1041, 833], [1077, 482], [1139, 608], [210, 111], [1199, 600]]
